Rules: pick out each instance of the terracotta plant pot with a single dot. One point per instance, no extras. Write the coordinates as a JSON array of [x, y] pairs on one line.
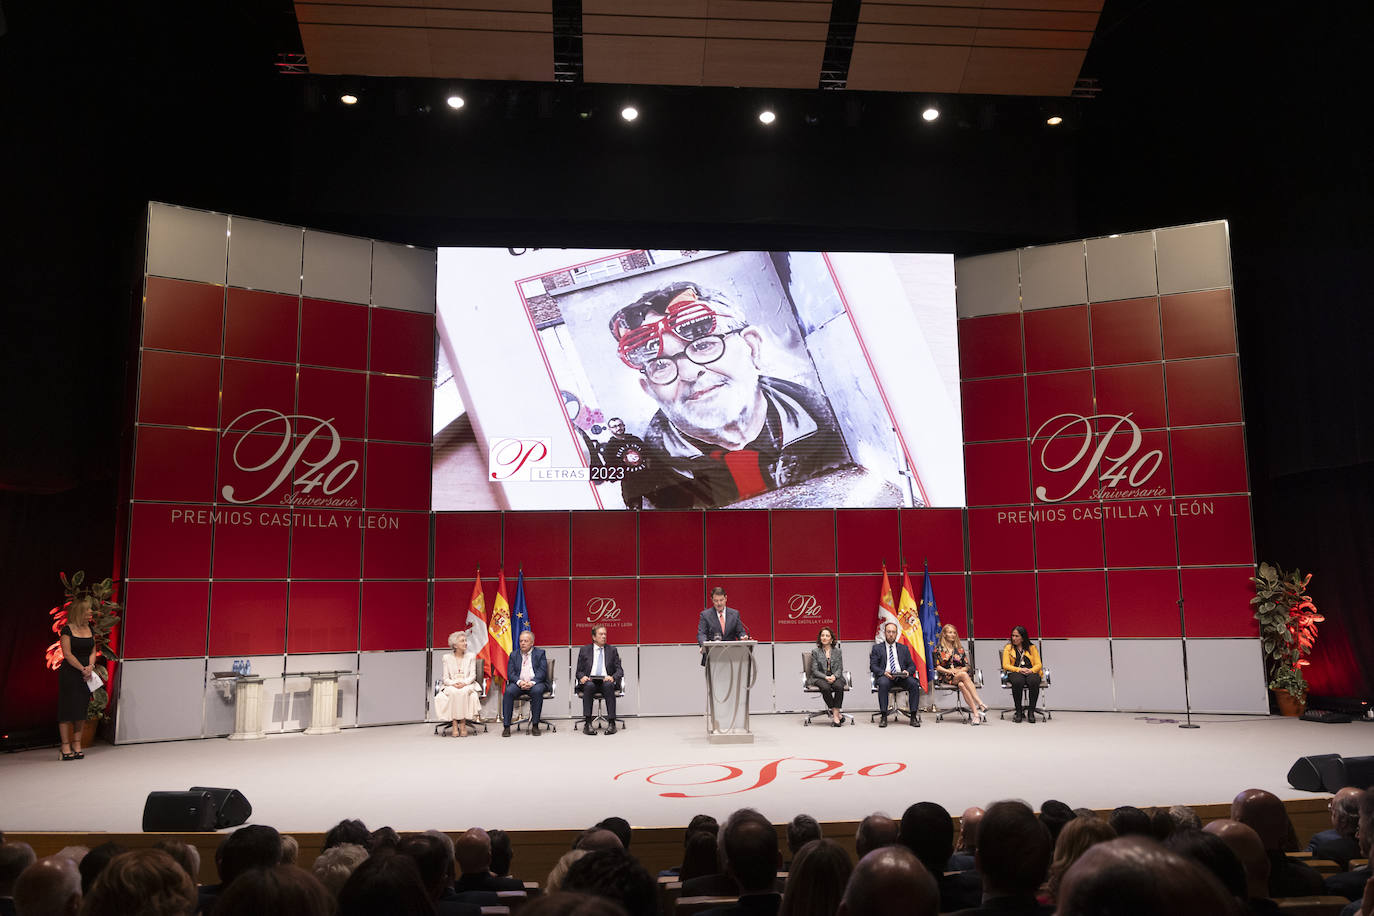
[[1288, 706], [88, 732]]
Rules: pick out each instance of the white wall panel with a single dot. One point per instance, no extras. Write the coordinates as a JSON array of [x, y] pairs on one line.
[[160, 699], [1193, 257], [404, 277], [1121, 267], [187, 244], [1149, 675], [987, 284], [337, 267], [219, 697], [265, 256], [1053, 275], [295, 707], [1227, 675], [1080, 674], [392, 687]]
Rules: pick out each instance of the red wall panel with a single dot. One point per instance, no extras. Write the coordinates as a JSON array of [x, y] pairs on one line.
[[1072, 604], [803, 540], [323, 617], [252, 385], [1000, 539], [994, 408], [1214, 531], [1217, 602], [261, 325], [802, 605], [613, 603], [402, 343], [538, 542], [179, 315], [1199, 324], [1002, 601], [340, 397], [1140, 533], [1069, 537], [1057, 339], [866, 538], [393, 616], [949, 601], [1137, 391], [178, 389], [1203, 391], [857, 599], [736, 542], [671, 543], [547, 601], [934, 536], [997, 473], [164, 619], [1126, 331], [1058, 393], [669, 609], [174, 464], [395, 545], [248, 618], [399, 409], [333, 334], [451, 599], [169, 542], [603, 544], [250, 467], [465, 542], [750, 595], [322, 551], [1208, 459], [990, 345], [245, 548], [329, 469], [397, 476], [1143, 602]]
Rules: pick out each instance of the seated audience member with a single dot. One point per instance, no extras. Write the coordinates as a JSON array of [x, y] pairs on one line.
[[615, 875], [1211, 852], [283, 889], [333, 866], [1128, 820], [144, 882], [1054, 814], [254, 846], [596, 838], [876, 831], [187, 856], [1263, 812], [94, 862], [620, 827], [559, 872], [749, 850], [1077, 837], [967, 842], [1085, 812], [348, 831], [434, 859], [1136, 876], [928, 831], [473, 852], [701, 857], [1185, 818], [816, 880], [1352, 884], [290, 849], [1339, 843], [1013, 857], [14, 858], [502, 854], [1161, 825], [565, 903], [890, 881], [387, 884], [48, 887], [701, 823], [801, 830], [383, 838], [1254, 861]]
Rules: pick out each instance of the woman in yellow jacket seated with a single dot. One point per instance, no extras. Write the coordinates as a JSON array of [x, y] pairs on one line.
[[1021, 661]]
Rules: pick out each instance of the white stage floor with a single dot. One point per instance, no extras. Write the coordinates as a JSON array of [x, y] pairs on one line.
[[661, 771]]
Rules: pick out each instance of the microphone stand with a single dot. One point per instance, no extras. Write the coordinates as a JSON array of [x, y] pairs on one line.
[[1187, 702]]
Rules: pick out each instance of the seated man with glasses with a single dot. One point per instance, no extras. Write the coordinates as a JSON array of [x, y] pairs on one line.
[[724, 432]]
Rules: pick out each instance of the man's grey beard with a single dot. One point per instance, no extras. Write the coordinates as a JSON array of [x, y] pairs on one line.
[[727, 405]]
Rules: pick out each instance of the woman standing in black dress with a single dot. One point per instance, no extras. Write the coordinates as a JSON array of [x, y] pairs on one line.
[[73, 696]]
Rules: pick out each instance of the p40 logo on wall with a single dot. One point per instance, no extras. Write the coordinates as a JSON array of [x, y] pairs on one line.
[[603, 610], [299, 451], [1111, 455], [803, 607]]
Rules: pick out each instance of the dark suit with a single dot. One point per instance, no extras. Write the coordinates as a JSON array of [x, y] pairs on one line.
[[715, 885], [877, 665], [959, 891], [1347, 884], [1333, 845], [748, 905], [1291, 878], [540, 664], [586, 661], [486, 881], [709, 629]]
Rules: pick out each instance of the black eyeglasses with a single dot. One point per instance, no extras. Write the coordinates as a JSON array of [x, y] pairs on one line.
[[662, 370]]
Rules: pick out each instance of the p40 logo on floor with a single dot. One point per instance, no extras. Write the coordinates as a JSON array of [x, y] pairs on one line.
[[296, 451], [1105, 447], [736, 776]]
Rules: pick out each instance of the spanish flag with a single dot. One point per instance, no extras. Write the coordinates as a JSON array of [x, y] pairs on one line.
[[909, 628], [498, 630]]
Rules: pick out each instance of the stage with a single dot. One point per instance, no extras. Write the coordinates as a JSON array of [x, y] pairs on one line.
[[661, 771]]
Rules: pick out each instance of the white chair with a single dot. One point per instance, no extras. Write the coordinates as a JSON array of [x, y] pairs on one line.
[[482, 679], [521, 714], [599, 706], [893, 707], [1042, 708], [807, 687], [959, 708]]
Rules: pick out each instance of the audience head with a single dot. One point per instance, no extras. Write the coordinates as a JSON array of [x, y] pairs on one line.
[[348, 831], [1013, 849], [749, 851], [1345, 810], [290, 849], [1211, 852], [278, 889], [1249, 849], [1185, 818], [1366, 830], [620, 827], [816, 880], [929, 833], [433, 860], [1054, 814], [564, 903], [1136, 876], [701, 823], [14, 858], [333, 866], [77, 853], [875, 832], [187, 856], [1128, 820], [968, 830], [559, 872], [1265, 814], [49, 887], [615, 875], [385, 884], [1085, 812], [595, 838], [473, 851], [94, 862], [891, 881], [501, 852], [1077, 837], [144, 882], [801, 830], [700, 857], [255, 846], [383, 838]]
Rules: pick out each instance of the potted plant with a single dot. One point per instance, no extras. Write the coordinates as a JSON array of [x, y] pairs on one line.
[[1288, 621], [104, 618]]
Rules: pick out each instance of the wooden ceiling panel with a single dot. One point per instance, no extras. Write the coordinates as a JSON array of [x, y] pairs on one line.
[[367, 51], [908, 67], [636, 59], [690, 9], [914, 35], [472, 54], [647, 26], [888, 13], [1035, 71], [772, 64]]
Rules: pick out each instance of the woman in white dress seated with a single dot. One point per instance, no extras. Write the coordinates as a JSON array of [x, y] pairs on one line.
[[459, 699]]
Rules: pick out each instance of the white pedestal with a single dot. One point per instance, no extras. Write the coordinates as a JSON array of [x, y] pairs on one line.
[[247, 708], [730, 672], [324, 704]]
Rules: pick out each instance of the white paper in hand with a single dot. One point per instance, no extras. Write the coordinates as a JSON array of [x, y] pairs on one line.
[[94, 682]]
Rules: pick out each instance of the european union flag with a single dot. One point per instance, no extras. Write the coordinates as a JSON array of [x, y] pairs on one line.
[[930, 622], [520, 615]]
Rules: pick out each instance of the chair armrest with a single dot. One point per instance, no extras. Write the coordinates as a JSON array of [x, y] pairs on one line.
[[977, 677], [1044, 676]]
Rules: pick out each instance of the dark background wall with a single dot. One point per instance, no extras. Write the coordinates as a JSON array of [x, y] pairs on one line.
[[1207, 111]]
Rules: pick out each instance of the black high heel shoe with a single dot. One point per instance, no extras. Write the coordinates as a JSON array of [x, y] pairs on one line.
[[77, 755]]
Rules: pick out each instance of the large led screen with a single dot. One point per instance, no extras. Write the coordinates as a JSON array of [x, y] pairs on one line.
[[661, 379]]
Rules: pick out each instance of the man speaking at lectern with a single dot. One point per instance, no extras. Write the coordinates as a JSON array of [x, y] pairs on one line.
[[718, 622]]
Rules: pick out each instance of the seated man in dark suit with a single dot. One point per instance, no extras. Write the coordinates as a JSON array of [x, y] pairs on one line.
[[1264, 813], [598, 672], [527, 675], [749, 849], [891, 665], [433, 856], [875, 831], [1354, 884], [473, 852], [928, 831], [1135, 874], [1339, 844], [1013, 857], [890, 881]]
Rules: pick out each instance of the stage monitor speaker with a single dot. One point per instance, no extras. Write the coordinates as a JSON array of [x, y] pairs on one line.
[[1306, 773], [231, 808], [179, 812], [1347, 771]]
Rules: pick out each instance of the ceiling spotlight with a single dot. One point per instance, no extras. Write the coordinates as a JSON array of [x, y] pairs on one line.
[[348, 99], [767, 117], [1054, 121], [455, 102], [629, 112], [930, 114]]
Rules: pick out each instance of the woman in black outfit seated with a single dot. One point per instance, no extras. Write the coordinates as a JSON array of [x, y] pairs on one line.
[[827, 673], [1021, 661]]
